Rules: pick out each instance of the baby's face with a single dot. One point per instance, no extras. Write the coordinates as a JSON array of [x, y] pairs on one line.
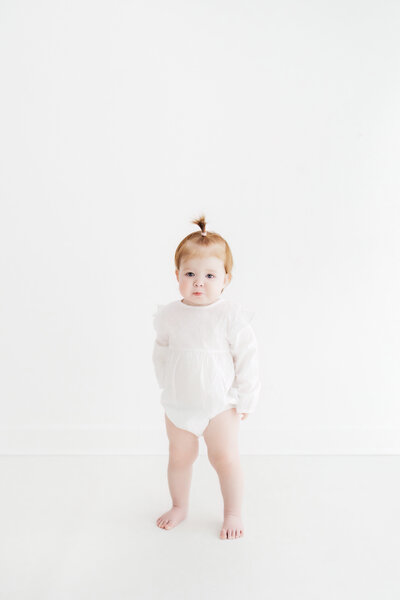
[[202, 279]]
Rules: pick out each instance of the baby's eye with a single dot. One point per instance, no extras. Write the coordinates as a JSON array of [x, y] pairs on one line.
[[191, 273]]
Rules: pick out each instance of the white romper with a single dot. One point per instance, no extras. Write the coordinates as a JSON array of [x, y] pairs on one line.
[[205, 360]]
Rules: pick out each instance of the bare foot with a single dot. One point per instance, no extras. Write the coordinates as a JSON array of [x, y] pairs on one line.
[[171, 518], [232, 528]]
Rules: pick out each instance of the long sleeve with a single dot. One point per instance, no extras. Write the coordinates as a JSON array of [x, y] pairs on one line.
[[160, 347], [244, 349]]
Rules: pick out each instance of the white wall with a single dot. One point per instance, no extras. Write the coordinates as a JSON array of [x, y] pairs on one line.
[[123, 121]]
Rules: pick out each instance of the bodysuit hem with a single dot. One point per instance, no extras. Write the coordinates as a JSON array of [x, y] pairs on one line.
[[226, 407]]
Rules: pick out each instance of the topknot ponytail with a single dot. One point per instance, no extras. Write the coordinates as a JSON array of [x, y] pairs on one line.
[[201, 222]]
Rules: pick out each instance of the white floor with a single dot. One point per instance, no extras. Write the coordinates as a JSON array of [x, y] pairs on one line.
[[83, 527]]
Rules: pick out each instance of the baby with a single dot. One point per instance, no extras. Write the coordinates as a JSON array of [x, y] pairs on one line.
[[206, 363]]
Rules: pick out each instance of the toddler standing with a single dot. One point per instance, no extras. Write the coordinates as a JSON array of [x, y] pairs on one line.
[[206, 363]]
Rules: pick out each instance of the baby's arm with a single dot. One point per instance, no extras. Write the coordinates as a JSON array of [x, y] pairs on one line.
[[160, 350], [244, 349]]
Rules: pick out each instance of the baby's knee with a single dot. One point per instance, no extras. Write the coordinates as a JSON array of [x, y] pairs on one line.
[[223, 459], [182, 456]]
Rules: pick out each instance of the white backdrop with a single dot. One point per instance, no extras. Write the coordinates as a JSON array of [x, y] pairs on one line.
[[120, 123]]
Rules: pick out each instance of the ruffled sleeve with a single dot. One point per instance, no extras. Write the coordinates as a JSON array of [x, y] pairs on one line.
[[244, 349], [160, 346]]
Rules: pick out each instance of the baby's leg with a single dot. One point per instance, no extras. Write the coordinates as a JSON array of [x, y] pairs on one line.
[[183, 451], [222, 439]]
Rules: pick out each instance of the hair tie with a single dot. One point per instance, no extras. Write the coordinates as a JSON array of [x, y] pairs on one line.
[[204, 233]]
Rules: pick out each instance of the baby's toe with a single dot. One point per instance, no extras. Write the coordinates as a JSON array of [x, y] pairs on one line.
[[222, 535]]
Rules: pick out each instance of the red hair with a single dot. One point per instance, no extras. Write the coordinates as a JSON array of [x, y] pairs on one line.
[[212, 243]]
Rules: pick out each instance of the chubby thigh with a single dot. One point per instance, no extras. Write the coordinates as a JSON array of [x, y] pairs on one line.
[[183, 444], [222, 436]]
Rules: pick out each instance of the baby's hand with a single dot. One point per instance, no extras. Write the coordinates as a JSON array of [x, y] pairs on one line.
[[244, 416]]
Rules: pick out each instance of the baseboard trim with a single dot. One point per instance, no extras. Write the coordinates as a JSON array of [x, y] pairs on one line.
[[115, 440]]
